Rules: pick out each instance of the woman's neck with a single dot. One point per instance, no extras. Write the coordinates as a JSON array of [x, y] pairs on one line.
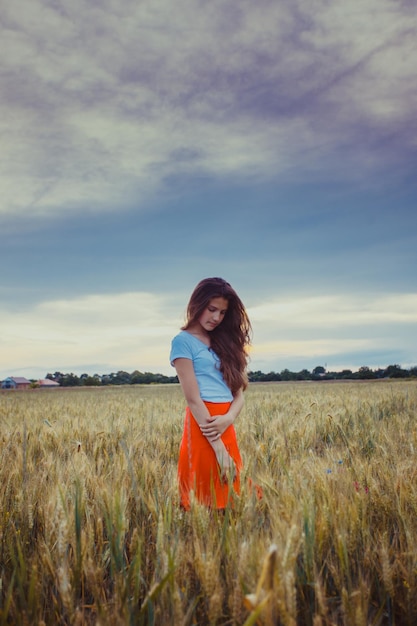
[[200, 333]]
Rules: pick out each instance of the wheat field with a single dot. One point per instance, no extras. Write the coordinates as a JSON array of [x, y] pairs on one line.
[[91, 531]]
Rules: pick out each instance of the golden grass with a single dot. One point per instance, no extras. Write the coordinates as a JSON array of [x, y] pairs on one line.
[[91, 531]]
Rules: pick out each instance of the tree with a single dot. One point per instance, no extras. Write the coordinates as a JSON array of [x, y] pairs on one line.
[[346, 374], [136, 378], [395, 371], [365, 373], [287, 375], [91, 381], [121, 378], [69, 380], [57, 377]]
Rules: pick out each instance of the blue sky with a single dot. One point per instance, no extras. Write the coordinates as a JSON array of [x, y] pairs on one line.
[[145, 147]]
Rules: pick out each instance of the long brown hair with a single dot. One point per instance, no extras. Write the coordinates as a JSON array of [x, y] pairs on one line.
[[230, 339]]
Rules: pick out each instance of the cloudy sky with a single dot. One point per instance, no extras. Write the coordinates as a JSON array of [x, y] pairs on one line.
[[146, 145]]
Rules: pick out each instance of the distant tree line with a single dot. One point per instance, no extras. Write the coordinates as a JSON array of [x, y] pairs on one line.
[[148, 378], [320, 373], [115, 378]]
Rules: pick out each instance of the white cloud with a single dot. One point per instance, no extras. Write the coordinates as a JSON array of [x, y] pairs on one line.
[[130, 330], [308, 348], [346, 331], [338, 311]]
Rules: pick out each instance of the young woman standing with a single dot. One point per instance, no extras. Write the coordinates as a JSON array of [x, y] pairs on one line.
[[210, 358]]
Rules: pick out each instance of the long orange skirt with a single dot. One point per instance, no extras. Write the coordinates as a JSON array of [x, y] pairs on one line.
[[198, 470]]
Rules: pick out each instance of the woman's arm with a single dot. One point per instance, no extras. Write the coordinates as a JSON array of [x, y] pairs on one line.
[[217, 424], [186, 376], [191, 391]]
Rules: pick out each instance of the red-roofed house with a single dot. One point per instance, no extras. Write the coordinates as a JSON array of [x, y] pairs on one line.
[[15, 382], [47, 383]]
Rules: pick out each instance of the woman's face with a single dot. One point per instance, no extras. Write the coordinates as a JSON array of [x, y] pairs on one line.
[[213, 314]]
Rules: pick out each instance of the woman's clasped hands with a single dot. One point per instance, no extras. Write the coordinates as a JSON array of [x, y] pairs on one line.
[[215, 426]]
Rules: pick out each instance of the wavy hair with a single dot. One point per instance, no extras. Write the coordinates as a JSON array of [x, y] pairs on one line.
[[230, 339]]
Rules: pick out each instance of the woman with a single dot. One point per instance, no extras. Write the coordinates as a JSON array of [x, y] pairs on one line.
[[209, 355]]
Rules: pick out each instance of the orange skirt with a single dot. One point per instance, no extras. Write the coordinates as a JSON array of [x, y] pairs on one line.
[[198, 470]]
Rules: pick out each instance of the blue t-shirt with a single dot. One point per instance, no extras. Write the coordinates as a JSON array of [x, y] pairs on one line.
[[206, 366]]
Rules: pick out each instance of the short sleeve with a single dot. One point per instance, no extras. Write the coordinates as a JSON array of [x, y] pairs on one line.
[[180, 349]]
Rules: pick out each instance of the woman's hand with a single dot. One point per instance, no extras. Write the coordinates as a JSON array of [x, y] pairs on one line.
[[215, 426], [226, 464]]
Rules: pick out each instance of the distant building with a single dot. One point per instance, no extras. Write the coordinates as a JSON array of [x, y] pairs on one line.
[[15, 382], [47, 383]]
